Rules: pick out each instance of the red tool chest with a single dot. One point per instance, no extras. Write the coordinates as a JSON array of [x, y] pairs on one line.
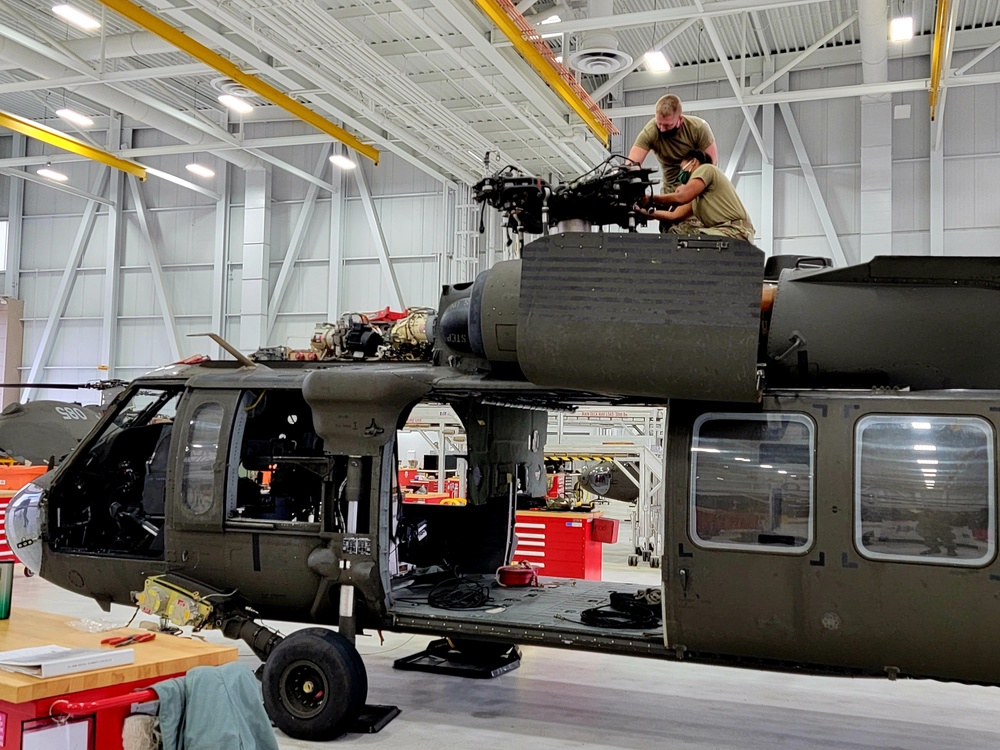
[[559, 544]]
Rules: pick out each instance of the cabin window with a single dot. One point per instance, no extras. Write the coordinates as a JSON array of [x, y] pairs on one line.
[[924, 489], [201, 450], [752, 482]]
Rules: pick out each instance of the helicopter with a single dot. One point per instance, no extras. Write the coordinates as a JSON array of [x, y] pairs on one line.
[[830, 464], [38, 432]]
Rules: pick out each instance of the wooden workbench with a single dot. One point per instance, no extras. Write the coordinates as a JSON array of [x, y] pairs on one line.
[[24, 698]]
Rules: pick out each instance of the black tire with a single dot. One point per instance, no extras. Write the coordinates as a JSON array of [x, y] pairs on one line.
[[654, 562], [315, 685], [633, 561]]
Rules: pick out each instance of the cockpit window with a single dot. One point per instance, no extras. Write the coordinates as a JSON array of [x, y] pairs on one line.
[[752, 482], [924, 489]]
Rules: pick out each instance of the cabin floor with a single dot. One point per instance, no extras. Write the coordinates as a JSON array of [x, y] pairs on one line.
[[555, 605], [571, 699]]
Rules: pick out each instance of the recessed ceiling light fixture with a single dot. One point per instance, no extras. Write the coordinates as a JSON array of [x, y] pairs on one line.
[[71, 115], [656, 61], [236, 104], [200, 169], [76, 17], [51, 174], [901, 29], [342, 161]]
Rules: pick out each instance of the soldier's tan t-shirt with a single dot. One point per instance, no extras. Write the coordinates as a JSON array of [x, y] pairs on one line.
[[693, 134], [718, 202]]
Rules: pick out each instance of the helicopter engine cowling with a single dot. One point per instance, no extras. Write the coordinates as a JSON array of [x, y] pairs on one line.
[[626, 314]]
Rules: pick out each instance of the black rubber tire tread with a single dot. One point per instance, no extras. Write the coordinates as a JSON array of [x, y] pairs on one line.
[[344, 670]]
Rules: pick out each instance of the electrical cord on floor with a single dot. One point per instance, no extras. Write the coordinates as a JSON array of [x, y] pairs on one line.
[[458, 593]]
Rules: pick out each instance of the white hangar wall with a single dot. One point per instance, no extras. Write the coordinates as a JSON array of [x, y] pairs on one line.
[[116, 319]]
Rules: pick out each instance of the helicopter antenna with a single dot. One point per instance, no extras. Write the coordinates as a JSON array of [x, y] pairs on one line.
[[240, 356]]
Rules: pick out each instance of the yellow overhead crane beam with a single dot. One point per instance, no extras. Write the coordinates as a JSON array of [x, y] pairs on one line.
[[599, 125], [943, 31], [214, 60], [66, 143]]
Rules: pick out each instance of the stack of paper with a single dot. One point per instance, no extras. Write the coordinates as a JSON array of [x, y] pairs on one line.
[[53, 661]]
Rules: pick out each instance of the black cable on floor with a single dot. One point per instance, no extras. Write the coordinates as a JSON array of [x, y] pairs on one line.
[[604, 617], [458, 593]]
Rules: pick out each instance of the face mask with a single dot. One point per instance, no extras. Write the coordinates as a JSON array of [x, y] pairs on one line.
[[683, 176], [669, 133]]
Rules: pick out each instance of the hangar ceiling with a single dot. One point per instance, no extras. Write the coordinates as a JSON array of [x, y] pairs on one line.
[[434, 81]]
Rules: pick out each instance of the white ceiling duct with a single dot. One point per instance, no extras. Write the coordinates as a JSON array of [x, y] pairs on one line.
[[874, 26], [26, 59], [597, 52]]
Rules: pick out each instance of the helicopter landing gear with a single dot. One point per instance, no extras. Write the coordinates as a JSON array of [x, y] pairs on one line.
[[633, 561], [315, 685], [654, 562]]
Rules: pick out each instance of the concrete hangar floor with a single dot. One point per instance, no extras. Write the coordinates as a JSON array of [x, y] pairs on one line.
[[567, 699]]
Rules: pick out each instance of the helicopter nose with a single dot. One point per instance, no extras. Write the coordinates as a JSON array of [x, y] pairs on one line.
[[23, 527]]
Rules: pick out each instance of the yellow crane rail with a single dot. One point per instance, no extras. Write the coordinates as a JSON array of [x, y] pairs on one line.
[[214, 60], [66, 143], [529, 43]]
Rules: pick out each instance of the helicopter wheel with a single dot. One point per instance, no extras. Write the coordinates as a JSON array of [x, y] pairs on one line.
[[654, 562], [315, 685], [633, 561]]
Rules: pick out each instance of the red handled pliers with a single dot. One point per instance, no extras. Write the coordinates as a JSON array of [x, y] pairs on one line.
[[126, 640]]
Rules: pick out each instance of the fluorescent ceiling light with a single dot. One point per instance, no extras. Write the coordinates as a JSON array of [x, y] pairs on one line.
[[550, 19], [74, 117], [51, 174], [705, 450], [76, 17], [927, 461], [740, 458], [236, 104], [920, 425], [925, 447], [200, 169], [342, 161], [656, 61], [782, 471], [901, 29], [766, 466], [558, 58]]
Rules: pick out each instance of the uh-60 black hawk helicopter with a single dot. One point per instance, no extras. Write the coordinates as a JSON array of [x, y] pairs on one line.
[[830, 463]]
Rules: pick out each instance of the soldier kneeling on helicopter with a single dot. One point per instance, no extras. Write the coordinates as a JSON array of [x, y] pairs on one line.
[[705, 194]]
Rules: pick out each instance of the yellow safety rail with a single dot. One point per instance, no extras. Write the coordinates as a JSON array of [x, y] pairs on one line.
[[529, 43], [214, 60], [66, 143], [941, 32]]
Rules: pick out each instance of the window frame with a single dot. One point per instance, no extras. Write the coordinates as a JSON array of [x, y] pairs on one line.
[[800, 550], [979, 562]]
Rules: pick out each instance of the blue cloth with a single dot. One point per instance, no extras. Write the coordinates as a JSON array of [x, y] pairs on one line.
[[214, 708]]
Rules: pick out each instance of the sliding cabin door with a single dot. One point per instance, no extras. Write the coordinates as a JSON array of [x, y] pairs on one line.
[[838, 530]]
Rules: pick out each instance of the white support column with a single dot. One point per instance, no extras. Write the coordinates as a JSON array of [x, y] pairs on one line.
[[738, 149], [220, 259], [256, 260], [876, 179], [336, 247], [15, 224], [302, 225], [936, 195], [810, 176], [113, 255], [765, 227], [388, 273], [58, 307], [149, 231]]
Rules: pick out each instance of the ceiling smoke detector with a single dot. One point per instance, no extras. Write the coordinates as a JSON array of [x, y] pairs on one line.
[[231, 87], [599, 61]]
